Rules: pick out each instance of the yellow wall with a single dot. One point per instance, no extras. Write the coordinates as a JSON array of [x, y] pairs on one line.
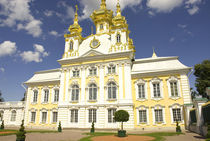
[[166, 101]]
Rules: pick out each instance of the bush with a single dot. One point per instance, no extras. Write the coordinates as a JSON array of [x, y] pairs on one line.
[[121, 116], [208, 131], [178, 128], [92, 130], [2, 125], [20, 135], [59, 127]]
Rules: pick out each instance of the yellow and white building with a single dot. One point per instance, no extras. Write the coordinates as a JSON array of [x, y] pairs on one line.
[[99, 75]]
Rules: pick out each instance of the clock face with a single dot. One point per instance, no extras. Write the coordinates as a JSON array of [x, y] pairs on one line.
[[94, 43]]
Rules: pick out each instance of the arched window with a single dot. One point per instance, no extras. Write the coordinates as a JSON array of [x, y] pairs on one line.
[[112, 90], [101, 26], [75, 93], [46, 96], [71, 45], [92, 92], [118, 38], [13, 115], [1, 115], [35, 96]]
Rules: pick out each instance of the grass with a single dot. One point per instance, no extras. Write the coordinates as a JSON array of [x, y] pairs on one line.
[[13, 132], [159, 136]]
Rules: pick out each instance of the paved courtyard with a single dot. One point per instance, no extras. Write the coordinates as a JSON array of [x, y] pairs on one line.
[[75, 135]]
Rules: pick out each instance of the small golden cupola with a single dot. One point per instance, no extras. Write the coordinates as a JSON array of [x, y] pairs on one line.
[[119, 21], [75, 29], [102, 18]]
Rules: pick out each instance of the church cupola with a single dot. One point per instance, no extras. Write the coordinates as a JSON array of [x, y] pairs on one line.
[[75, 29], [102, 18], [119, 21]]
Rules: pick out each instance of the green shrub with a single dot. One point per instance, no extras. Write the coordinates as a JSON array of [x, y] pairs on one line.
[[2, 125], [20, 135], [92, 130], [59, 127], [121, 116], [178, 128]]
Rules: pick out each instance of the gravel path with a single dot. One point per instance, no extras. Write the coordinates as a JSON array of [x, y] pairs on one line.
[[66, 135], [188, 136]]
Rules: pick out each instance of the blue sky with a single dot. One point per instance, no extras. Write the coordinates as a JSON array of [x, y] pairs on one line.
[[31, 33]]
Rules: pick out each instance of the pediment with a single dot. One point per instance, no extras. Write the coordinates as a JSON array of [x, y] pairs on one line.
[[92, 53]]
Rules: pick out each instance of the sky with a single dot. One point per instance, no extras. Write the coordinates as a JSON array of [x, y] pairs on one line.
[[31, 33]]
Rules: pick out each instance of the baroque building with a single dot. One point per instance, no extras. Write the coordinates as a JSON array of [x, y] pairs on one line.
[[100, 75]]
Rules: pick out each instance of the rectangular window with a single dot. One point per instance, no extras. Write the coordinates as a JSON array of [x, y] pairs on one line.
[[142, 116], [111, 115], [44, 117], [35, 96], [33, 116], [93, 71], [92, 115], [74, 115], [158, 115], [55, 117], [174, 91], [141, 91], [156, 90], [76, 73], [176, 114], [46, 95], [111, 70], [56, 96]]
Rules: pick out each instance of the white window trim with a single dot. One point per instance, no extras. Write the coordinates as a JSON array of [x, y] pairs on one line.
[[87, 91], [43, 92], [153, 113], [32, 96], [156, 80], [110, 65], [16, 113], [176, 105], [53, 95], [40, 118], [139, 82], [70, 93], [75, 69], [174, 79], [32, 110], [91, 67], [147, 114], [106, 90], [106, 114], [51, 117], [87, 115], [69, 116]]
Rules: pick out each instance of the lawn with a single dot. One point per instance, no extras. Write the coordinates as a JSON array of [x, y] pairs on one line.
[[7, 132], [159, 136]]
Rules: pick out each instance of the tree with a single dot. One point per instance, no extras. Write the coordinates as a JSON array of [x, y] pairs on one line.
[[202, 73], [121, 116], [92, 130], [193, 93], [1, 98], [2, 125], [59, 127], [20, 135], [24, 98]]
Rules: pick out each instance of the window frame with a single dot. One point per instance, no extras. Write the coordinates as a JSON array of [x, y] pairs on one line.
[[35, 96], [91, 88], [33, 117], [158, 107], [46, 97], [13, 116], [54, 119], [71, 45], [42, 117], [174, 79], [92, 115], [111, 86], [75, 91], [111, 69], [92, 71], [74, 116], [110, 114], [118, 38], [153, 82]]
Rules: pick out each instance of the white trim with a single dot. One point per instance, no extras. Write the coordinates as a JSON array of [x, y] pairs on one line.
[[139, 82], [174, 79], [142, 107], [156, 80]]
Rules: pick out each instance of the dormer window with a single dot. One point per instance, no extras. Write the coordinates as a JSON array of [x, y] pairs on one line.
[[101, 26], [93, 71], [71, 45], [76, 73], [118, 38]]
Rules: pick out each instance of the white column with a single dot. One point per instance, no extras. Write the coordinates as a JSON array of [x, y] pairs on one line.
[[67, 85], [101, 85], [120, 81], [127, 76], [83, 85], [61, 91], [185, 89]]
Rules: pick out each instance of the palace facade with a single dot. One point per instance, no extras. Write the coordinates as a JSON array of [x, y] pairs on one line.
[[99, 75]]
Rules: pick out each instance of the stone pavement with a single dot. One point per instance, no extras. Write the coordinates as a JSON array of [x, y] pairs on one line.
[[75, 135]]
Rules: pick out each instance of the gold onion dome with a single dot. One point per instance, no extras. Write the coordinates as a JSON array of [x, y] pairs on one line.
[[75, 29], [102, 14], [119, 21]]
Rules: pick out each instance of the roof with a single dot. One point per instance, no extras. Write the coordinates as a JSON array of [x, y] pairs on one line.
[[157, 64], [45, 76]]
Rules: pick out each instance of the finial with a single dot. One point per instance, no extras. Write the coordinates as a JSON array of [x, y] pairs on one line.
[[118, 8], [154, 54], [76, 15], [103, 4], [91, 30]]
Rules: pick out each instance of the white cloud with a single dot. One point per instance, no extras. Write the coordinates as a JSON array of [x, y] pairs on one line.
[[7, 48], [171, 39], [48, 13], [36, 55], [2, 69], [151, 13], [182, 25], [164, 5], [54, 33], [192, 6], [17, 14]]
